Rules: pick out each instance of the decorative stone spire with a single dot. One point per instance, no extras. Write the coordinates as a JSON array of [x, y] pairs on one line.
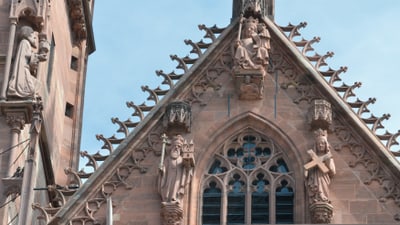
[[257, 8]]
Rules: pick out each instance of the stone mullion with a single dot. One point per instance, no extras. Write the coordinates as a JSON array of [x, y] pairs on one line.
[[248, 203], [224, 205], [272, 203]]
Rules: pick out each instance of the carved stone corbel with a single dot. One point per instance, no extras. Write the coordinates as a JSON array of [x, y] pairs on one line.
[[171, 213], [321, 212]]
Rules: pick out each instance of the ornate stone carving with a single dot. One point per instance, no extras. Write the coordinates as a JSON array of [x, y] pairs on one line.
[[178, 118], [171, 213], [320, 115], [174, 176], [34, 11], [251, 57], [16, 120], [23, 82], [321, 212], [318, 177], [78, 23], [175, 172]]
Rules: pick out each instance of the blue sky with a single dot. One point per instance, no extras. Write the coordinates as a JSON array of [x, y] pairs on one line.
[[135, 38]]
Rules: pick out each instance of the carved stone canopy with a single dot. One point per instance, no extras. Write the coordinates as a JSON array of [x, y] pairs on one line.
[[320, 115], [34, 11], [178, 118]]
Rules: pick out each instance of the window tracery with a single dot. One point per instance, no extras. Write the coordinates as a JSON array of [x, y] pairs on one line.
[[248, 182]]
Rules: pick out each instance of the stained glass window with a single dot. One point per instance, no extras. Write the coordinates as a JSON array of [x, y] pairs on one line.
[[258, 189]]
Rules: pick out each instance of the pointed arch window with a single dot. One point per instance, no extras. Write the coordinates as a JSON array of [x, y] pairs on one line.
[[248, 182]]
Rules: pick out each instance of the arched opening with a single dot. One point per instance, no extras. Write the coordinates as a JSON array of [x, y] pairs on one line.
[[261, 177]]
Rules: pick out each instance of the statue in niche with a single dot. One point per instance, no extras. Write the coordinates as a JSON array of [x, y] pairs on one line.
[[320, 169], [251, 48], [23, 82], [176, 171]]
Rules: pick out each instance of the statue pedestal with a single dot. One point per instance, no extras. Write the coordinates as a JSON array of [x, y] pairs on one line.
[[171, 213], [250, 83], [321, 212]]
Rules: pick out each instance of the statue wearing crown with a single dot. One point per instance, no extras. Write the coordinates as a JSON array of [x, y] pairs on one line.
[[252, 46], [251, 57], [319, 172], [320, 169]]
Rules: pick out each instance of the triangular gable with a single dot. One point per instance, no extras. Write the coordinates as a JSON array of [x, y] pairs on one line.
[[194, 88]]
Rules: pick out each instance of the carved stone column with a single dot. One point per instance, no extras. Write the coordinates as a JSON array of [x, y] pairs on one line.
[[17, 114], [16, 121]]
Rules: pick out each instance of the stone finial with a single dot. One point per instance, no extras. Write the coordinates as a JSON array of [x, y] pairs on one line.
[[320, 115], [257, 8], [178, 118]]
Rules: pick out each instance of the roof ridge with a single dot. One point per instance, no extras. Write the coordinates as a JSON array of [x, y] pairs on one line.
[[344, 91]]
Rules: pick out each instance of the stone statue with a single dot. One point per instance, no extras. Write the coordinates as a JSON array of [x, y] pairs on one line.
[[320, 170], [251, 49], [23, 83], [175, 172]]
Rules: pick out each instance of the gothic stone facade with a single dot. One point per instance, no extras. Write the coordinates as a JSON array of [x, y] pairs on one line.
[[284, 135]]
